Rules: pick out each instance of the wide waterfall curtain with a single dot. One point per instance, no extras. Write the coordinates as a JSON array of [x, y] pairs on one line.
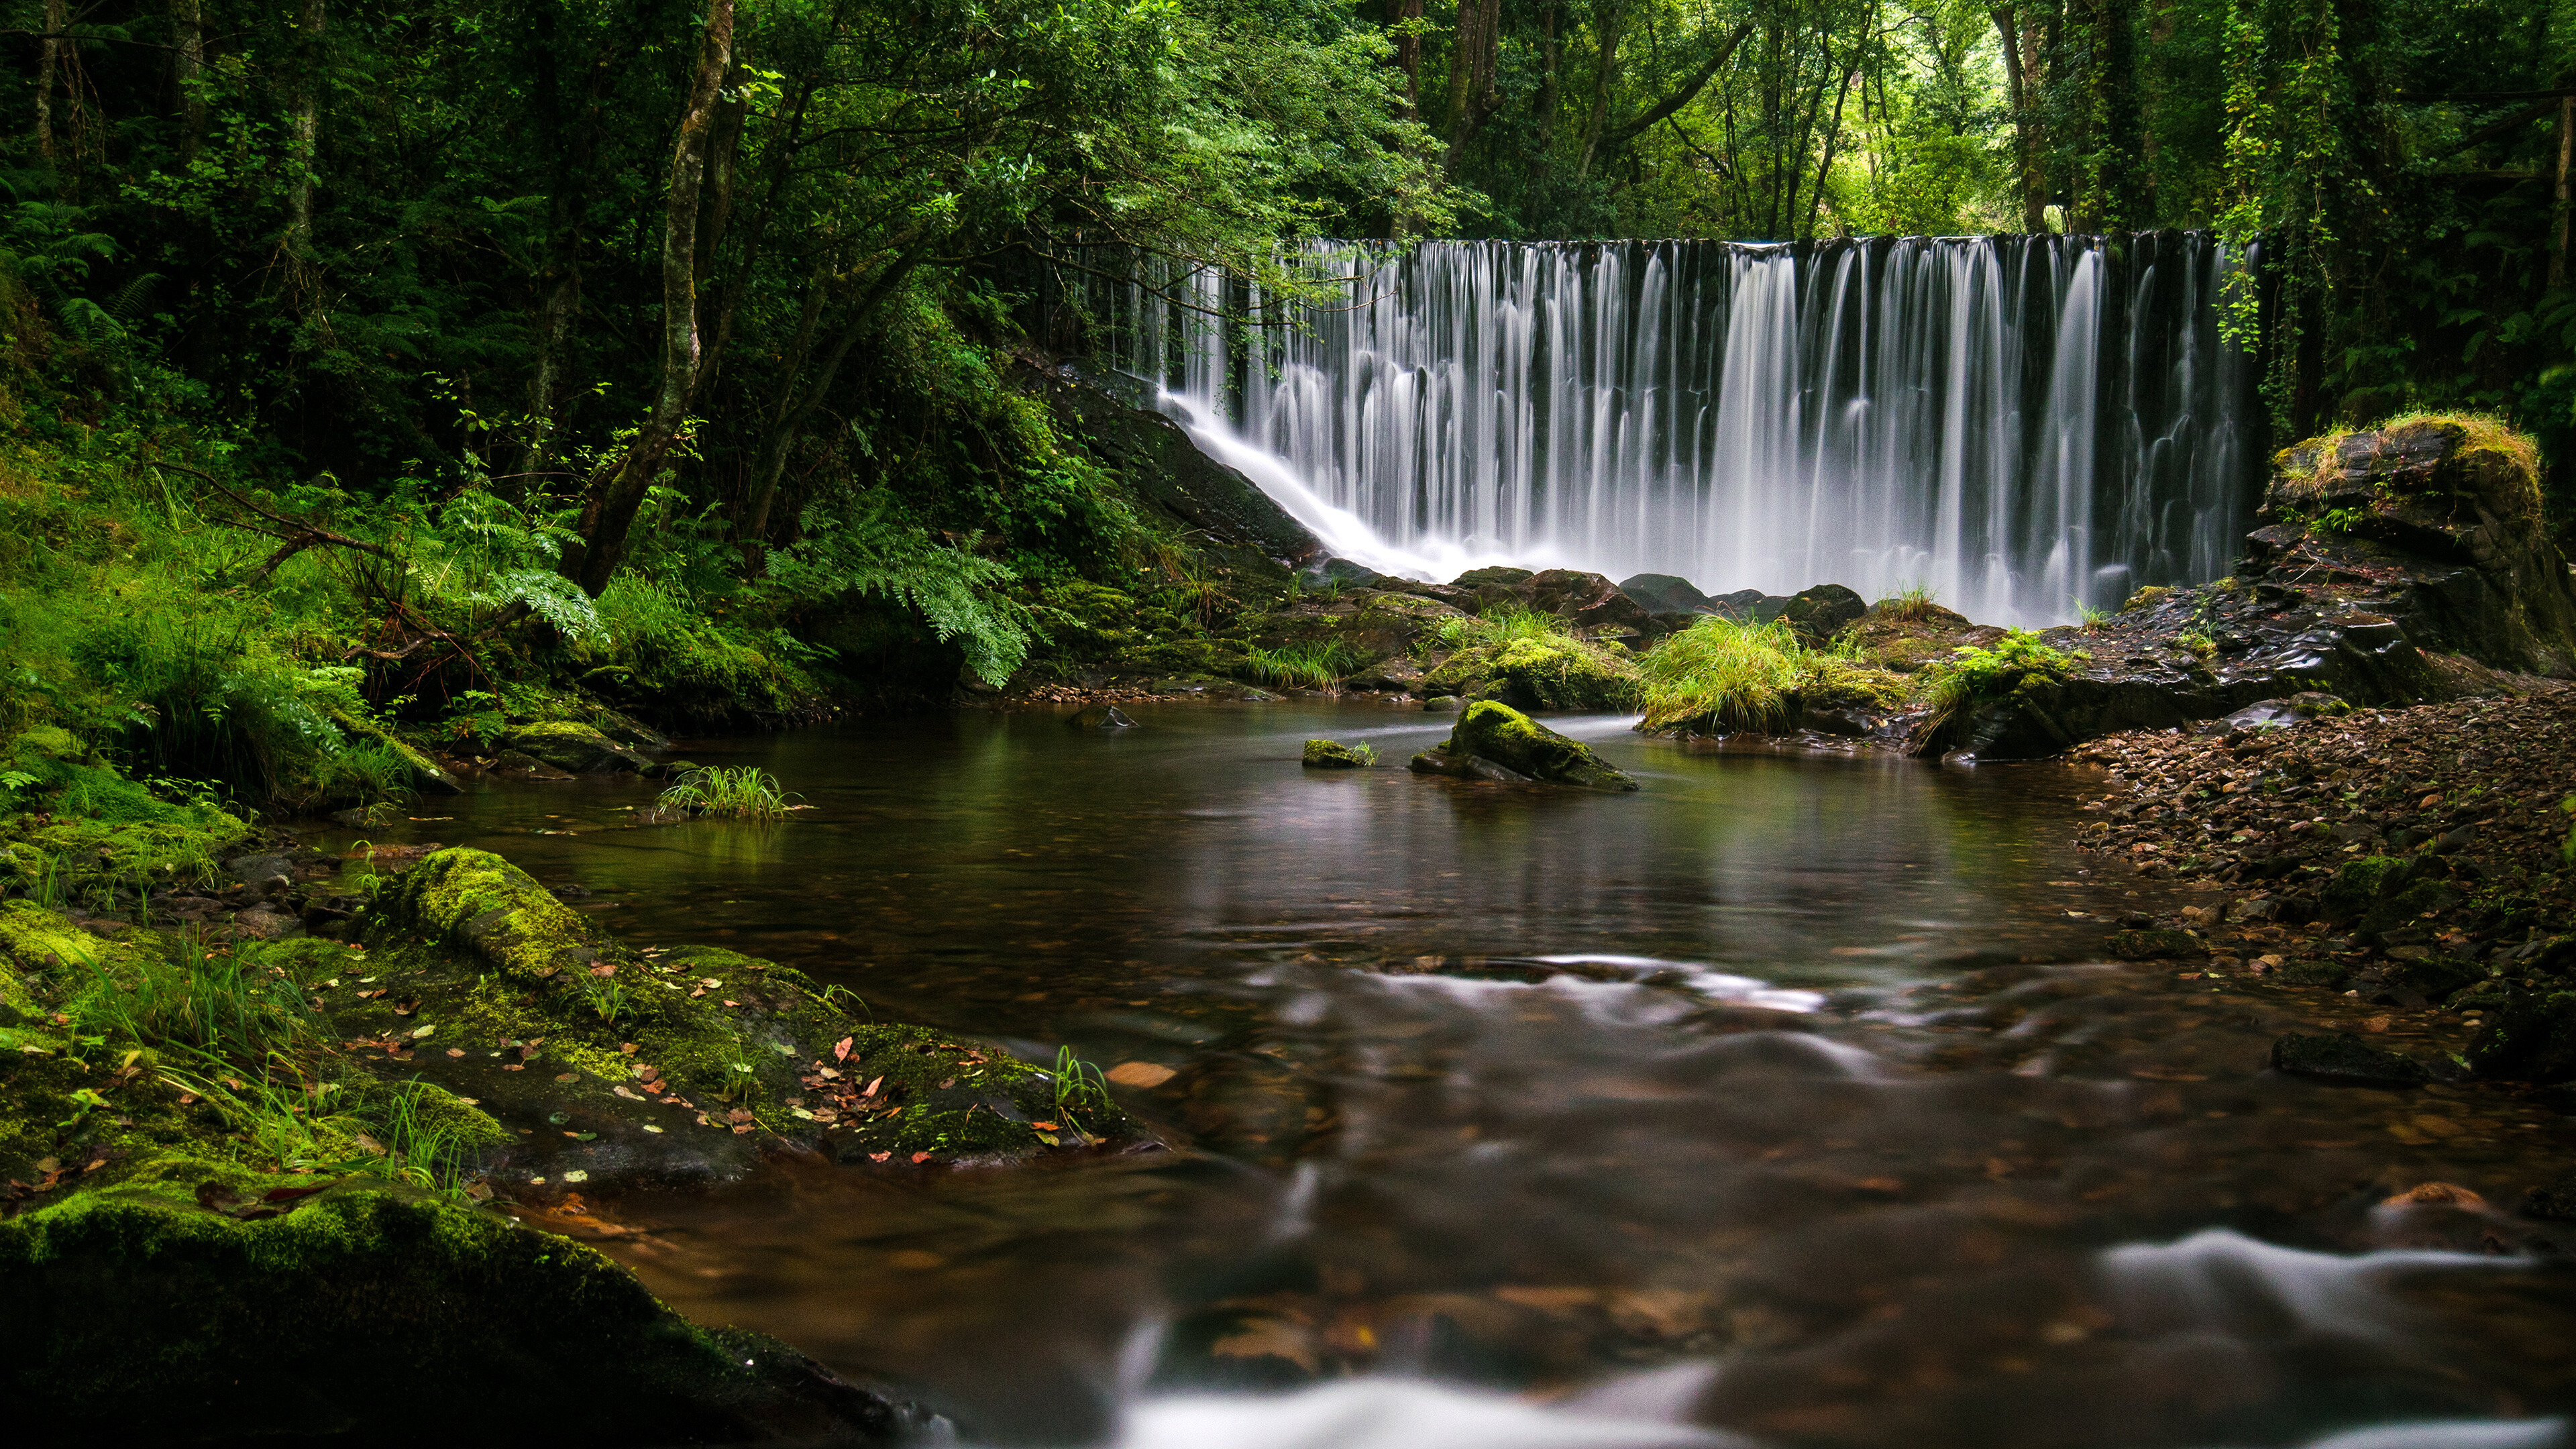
[[2023, 424]]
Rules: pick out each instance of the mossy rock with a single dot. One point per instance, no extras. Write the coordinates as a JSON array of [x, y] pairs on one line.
[[576, 748], [2343, 1057], [487, 957], [139, 1317], [1328, 755], [1500, 734], [2356, 887], [2531, 1039], [1558, 672], [2147, 598], [2155, 945]]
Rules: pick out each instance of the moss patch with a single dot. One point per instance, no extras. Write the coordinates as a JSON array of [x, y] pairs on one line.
[[1557, 672], [364, 1312], [1497, 732]]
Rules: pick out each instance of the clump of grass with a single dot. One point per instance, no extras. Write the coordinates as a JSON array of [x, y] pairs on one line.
[[1311, 664], [1503, 626], [1975, 676], [747, 792], [2197, 642], [223, 1005], [1734, 674], [604, 993], [1911, 603], [2089, 618], [364, 774]]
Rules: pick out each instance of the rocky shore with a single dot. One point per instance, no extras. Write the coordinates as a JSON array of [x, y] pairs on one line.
[[2416, 859]]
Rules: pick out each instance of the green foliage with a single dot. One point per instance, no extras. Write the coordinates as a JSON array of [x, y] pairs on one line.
[[1978, 676], [745, 792], [1910, 603], [1308, 664], [867, 550], [1732, 675], [226, 1005], [1080, 1088]]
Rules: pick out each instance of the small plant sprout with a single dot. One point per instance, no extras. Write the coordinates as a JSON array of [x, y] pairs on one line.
[[2089, 618], [1079, 1087], [603, 991]]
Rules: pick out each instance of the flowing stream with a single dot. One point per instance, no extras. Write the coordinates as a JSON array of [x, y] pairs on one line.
[[2024, 424], [1785, 1102]]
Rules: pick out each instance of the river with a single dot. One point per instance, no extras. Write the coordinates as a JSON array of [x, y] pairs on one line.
[[1787, 1101]]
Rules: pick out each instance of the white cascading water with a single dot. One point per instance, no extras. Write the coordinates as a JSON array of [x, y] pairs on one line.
[[1946, 412]]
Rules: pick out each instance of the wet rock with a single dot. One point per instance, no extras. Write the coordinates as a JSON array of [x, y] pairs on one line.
[[266, 925], [2445, 516], [1395, 672], [259, 870], [2343, 1057], [2155, 945], [517, 762], [1497, 734], [1553, 672], [2432, 978], [1231, 518], [1465, 767], [1481, 578], [1664, 593], [2531, 1038], [1339, 573], [1819, 613], [2357, 886], [2555, 1200], [1101, 717], [1441, 704], [573, 748], [491, 1323], [1588, 601], [1329, 755]]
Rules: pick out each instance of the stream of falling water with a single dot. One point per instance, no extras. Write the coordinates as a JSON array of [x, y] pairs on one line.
[[2023, 424]]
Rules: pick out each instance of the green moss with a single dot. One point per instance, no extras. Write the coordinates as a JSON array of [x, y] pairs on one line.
[[2356, 887], [2146, 598], [1554, 671], [289, 1328], [512, 963], [1330, 755], [1493, 731]]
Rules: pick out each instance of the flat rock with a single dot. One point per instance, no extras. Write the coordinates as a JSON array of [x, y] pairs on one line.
[[2343, 1057]]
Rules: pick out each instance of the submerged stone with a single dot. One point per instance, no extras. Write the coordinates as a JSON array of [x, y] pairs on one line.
[[2343, 1057], [1327, 755], [1498, 734], [1441, 704], [2153, 945], [1102, 717]]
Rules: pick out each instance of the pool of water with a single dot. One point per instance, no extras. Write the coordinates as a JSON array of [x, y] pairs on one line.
[[1786, 1101]]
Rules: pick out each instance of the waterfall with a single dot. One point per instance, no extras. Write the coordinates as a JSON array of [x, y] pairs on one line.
[[2022, 424]]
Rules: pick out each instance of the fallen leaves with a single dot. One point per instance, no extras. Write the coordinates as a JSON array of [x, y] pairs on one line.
[[1140, 1074]]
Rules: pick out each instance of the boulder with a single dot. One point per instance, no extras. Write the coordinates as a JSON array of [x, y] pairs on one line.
[[573, 748], [2444, 516], [2532, 1038], [1497, 734], [1588, 601], [1818, 614], [1664, 593], [1746, 604], [1328, 755], [1441, 704], [1101, 717], [1481, 578], [2343, 1057]]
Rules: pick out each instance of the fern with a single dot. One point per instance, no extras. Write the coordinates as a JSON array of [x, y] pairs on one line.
[[870, 551]]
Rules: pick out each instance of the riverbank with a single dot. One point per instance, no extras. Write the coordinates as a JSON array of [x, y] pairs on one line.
[[2419, 859]]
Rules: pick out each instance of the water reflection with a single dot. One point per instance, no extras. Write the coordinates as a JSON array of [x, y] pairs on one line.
[[1796, 1069]]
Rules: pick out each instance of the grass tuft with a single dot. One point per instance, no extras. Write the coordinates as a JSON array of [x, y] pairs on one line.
[[746, 792]]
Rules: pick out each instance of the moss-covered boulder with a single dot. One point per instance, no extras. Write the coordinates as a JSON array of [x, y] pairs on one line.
[[141, 1317], [2531, 1039], [676, 1061], [1556, 671], [1496, 734], [1331, 755], [575, 748], [2357, 886]]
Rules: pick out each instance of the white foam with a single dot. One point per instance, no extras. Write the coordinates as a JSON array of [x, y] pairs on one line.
[[2222, 1280], [1397, 1414]]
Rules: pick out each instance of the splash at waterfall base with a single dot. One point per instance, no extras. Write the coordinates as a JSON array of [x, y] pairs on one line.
[[2396, 566]]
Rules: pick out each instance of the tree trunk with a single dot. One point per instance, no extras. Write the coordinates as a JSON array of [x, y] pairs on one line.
[[2021, 76], [1408, 52], [1472, 97], [1604, 81], [305, 130], [615, 497], [2566, 153], [49, 64], [187, 66], [773, 458]]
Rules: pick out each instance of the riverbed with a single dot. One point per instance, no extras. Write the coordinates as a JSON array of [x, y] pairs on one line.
[[1787, 1098]]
